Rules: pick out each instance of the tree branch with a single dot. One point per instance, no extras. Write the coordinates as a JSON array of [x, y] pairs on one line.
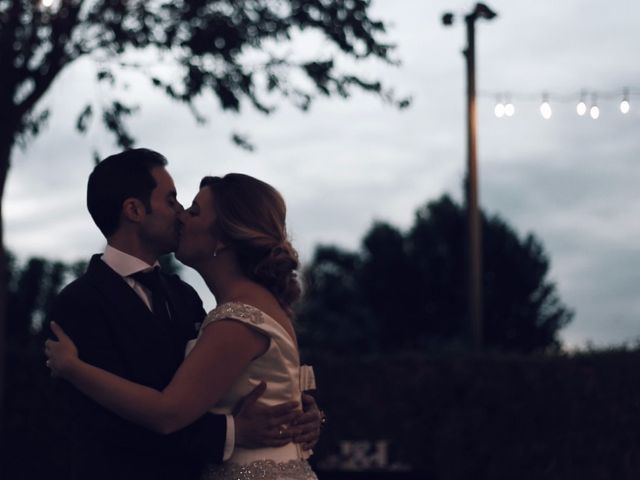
[[62, 27]]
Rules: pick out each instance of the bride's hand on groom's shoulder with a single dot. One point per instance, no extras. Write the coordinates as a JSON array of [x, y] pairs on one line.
[[61, 354], [258, 425]]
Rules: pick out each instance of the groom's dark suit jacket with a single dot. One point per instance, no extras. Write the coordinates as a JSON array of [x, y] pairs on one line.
[[113, 329]]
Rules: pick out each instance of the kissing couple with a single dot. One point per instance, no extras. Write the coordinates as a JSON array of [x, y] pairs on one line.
[[156, 387]]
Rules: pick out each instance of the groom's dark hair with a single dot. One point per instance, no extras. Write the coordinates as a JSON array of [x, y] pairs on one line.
[[118, 177]]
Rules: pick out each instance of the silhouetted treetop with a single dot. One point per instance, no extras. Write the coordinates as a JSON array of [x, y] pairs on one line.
[[408, 290]]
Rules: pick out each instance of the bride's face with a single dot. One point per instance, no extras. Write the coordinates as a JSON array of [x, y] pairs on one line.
[[197, 242]]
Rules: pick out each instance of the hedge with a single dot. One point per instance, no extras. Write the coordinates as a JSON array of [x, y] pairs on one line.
[[442, 417]]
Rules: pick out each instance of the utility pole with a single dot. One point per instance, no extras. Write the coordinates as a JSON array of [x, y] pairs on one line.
[[474, 226]]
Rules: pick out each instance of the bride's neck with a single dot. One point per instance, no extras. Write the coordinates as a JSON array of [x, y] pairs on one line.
[[224, 278]]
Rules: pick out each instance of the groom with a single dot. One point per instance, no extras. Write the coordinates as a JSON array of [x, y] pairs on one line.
[[109, 312]]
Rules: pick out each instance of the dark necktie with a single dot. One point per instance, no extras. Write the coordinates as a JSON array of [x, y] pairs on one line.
[[159, 298]]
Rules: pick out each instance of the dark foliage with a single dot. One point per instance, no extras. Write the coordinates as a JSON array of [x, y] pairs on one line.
[[333, 295], [217, 47], [487, 416], [32, 288], [408, 290], [448, 417]]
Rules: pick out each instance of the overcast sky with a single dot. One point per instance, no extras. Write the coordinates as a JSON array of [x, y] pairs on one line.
[[571, 180]]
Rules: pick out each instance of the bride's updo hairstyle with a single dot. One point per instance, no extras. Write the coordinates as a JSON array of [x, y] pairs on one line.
[[251, 219]]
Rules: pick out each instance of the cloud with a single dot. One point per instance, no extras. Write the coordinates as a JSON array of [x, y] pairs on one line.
[[572, 181]]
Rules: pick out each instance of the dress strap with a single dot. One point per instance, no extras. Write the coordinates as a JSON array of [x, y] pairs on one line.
[[249, 315], [235, 311]]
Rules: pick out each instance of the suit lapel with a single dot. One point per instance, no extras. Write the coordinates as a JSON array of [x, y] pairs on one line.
[[124, 301], [150, 345]]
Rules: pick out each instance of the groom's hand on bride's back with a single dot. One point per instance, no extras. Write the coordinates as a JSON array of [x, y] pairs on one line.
[[258, 425], [308, 423]]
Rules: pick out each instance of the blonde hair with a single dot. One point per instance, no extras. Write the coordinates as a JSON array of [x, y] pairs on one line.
[[251, 218]]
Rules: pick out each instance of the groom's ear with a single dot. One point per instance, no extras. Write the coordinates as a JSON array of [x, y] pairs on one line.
[[133, 210]]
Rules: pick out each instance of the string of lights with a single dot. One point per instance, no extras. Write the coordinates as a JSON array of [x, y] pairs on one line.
[[585, 101]]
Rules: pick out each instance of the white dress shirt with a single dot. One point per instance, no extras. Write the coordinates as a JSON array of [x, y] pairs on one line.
[[125, 265]]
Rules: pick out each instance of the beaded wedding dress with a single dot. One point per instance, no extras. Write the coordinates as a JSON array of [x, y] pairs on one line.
[[286, 379]]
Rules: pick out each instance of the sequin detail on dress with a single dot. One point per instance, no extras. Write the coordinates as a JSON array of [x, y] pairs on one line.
[[241, 311], [260, 470]]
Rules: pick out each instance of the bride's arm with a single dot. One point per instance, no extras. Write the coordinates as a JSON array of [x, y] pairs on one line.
[[222, 352]]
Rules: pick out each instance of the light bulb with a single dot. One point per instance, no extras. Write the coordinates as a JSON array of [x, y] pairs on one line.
[[499, 110], [509, 109], [594, 111], [624, 106], [581, 107], [47, 3], [545, 110]]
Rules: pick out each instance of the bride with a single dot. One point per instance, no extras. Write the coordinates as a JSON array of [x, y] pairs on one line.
[[234, 235]]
